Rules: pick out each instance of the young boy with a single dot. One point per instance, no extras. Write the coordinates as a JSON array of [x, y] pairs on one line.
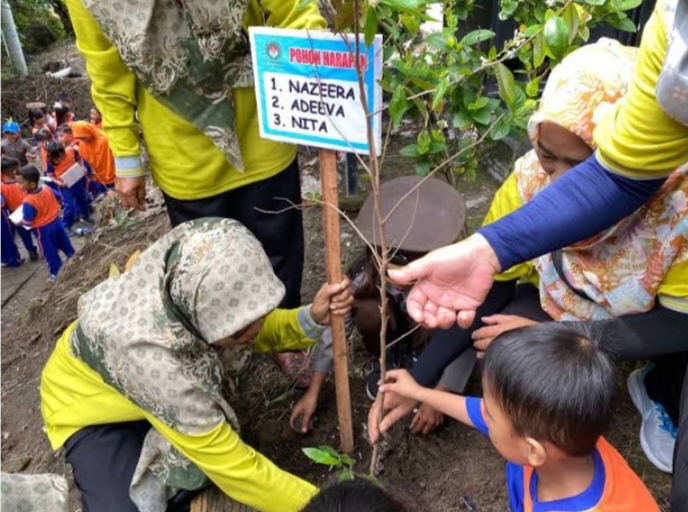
[[13, 145], [12, 198], [42, 213], [60, 160], [66, 138], [548, 393]]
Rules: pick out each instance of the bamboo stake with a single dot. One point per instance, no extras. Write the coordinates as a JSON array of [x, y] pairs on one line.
[[328, 177]]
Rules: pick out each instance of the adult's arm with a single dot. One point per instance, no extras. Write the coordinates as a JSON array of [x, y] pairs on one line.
[[446, 345], [638, 146], [238, 470], [290, 14], [113, 87], [659, 332]]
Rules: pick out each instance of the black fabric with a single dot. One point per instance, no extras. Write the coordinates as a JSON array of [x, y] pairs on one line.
[[256, 206], [446, 345], [664, 383], [679, 489], [104, 459]]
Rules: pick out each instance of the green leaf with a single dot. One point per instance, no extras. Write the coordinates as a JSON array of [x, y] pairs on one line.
[[478, 104], [398, 105], [411, 151], [411, 23], [329, 450], [595, 2], [439, 93], [386, 86], [477, 36], [532, 30], [625, 5], [482, 116], [421, 108], [505, 81], [538, 51], [533, 87], [556, 36], [346, 459], [501, 129], [370, 28], [321, 457], [572, 21], [437, 40], [422, 168], [621, 21], [492, 54], [346, 475], [407, 6], [585, 34], [437, 147], [462, 120], [424, 141]]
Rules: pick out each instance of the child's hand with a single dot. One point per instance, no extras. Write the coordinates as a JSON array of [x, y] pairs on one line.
[[401, 383], [304, 408], [332, 299], [494, 326]]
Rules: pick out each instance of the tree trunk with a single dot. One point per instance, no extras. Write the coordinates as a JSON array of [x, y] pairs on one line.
[[14, 49]]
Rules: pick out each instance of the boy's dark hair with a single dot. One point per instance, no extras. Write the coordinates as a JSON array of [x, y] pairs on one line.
[[35, 113], [355, 496], [64, 128], [55, 150], [9, 165], [30, 173], [553, 383], [43, 134]]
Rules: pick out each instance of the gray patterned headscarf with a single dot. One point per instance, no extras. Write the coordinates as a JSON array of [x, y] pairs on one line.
[[149, 334], [188, 55]]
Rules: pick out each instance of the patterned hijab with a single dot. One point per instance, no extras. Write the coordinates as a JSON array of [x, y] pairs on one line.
[[149, 334], [188, 55], [619, 270]]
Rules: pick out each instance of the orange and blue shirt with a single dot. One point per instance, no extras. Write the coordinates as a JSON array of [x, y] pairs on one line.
[[12, 195], [41, 207], [615, 487], [71, 157]]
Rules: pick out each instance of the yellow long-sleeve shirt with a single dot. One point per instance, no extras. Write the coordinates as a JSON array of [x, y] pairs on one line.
[[183, 161], [73, 396], [639, 139]]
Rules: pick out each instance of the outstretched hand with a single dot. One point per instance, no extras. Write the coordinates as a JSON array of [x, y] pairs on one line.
[[449, 284]]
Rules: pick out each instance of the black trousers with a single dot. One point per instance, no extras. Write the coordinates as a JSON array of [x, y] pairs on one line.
[[256, 206], [679, 489], [104, 459]]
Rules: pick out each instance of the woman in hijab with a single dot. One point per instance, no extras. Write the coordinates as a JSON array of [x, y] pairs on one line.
[[136, 391], [629, 283], [95, 149]]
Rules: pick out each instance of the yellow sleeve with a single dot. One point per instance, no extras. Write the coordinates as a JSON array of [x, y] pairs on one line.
[[673, 291], [113, 88], [507, 200], [287, 14], [639, 139], [282, 331], [238, 470]]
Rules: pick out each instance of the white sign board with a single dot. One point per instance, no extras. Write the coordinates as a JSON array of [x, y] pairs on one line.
[[73, 175], [307, 88]]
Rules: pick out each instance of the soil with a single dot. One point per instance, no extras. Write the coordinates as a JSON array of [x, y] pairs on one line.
[[452, 469]]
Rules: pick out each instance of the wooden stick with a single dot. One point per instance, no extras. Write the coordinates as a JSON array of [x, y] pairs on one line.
[[330, 196]]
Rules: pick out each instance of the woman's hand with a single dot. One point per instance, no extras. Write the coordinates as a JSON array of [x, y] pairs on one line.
[[334, 299], [132, 192], [496, 325]]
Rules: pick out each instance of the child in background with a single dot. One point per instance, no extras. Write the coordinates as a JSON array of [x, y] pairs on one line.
[[355, 496], [66, 138], [548, 392], [63, 113], [42, 138], [42, 213], [13, 145], [96, 118], [12, 199], [60, 160], [95, 149], [38, 121]]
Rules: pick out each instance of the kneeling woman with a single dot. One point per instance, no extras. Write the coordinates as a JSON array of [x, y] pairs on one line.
[[135, 389]]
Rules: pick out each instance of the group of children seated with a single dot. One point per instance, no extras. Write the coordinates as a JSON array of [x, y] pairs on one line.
[[50, 183]]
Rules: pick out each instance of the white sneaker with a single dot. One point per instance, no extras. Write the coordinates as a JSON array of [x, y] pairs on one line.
[[657, 432]]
